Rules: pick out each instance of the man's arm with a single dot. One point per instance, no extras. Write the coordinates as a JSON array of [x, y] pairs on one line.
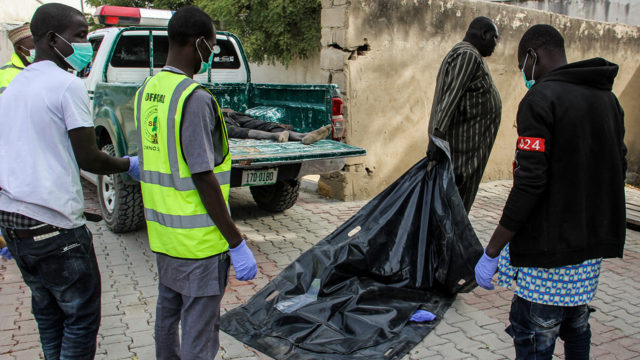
[[500, 238], [90, 158], [74, 102], [456, 78], [209, 189], [623, 147], [533, 149], [197, 132], [529, 182]]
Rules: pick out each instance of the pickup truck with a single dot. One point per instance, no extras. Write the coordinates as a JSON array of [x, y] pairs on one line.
[[125, 56]]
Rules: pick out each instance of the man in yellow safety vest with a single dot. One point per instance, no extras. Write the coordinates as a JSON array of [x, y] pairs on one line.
[[24, 53], [185, 178]]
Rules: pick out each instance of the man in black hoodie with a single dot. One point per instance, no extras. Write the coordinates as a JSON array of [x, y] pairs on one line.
[[566, 210]]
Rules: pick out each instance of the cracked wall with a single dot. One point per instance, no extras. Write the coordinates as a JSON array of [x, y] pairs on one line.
[[389, 88]]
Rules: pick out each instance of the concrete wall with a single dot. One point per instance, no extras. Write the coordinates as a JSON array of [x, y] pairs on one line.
[[618, 11], [389, 89], [630, 100], [298, 72], [6, 48]]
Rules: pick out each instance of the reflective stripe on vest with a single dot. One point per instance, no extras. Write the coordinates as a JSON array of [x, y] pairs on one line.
[[10, 66], [177, 222]]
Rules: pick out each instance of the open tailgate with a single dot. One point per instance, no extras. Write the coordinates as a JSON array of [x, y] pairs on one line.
[[255, 152]]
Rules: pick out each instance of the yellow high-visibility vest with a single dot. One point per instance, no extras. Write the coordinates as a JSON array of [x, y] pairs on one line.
[[177, 222], [9, 71]]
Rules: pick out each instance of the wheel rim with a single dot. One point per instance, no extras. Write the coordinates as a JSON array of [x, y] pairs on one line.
[[108, 193]]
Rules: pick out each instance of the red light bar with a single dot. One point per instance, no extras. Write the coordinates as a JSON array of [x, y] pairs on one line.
[[109, 10], [126, 16], [117, 15], [111, 20]]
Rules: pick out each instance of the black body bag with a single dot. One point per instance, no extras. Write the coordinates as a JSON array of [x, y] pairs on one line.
[[351, 295]]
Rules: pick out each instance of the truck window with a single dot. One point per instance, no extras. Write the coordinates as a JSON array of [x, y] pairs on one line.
[[95, 44], [133, 51], [227, 58]]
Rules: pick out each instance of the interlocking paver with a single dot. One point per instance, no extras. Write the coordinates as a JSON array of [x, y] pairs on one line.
[[472, 328], [28, 354], [432, 339], [449, 351], [140, 339], [494, 342], [452, 316], [462, 342], [422, 353]]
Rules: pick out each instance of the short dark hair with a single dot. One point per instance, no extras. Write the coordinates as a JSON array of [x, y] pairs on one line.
[[189, 22], [541, 36], [481, 24], [51, 17]]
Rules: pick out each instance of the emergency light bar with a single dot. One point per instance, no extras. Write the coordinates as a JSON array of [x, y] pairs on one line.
[[126, 16]]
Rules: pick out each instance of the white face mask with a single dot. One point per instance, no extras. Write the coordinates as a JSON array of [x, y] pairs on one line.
[[81, 55], [204, 65], [529, 83], [31, 56]]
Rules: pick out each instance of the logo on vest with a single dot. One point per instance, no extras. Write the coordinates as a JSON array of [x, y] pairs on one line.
[[154, 97], [150, 123]]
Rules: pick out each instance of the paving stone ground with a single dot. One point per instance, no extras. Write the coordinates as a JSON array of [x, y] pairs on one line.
[[473, 328]]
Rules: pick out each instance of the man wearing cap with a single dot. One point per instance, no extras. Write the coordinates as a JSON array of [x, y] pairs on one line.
[[23, 56]]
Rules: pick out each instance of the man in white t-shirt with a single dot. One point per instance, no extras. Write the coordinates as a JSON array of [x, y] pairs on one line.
[[47, 136]]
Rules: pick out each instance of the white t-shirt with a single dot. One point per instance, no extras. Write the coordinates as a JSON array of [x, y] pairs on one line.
[[39, 175]]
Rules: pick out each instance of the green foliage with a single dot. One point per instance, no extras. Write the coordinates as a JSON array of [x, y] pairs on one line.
[[270, 30], [158, 4]]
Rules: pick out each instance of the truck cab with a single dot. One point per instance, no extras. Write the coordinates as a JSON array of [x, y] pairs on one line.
[[135, 46]]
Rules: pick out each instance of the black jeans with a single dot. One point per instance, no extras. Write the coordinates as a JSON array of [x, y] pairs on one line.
[[62, 273], [536, 327]]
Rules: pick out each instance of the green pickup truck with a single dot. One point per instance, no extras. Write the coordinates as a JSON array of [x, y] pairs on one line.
[[125, 56]]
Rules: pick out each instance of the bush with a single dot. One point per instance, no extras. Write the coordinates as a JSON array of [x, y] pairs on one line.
[[270, 30]]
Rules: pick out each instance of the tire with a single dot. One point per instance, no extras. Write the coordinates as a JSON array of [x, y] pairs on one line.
[[277, 197], [120, 203]]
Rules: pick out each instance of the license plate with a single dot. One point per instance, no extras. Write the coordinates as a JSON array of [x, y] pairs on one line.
[[259, 177]]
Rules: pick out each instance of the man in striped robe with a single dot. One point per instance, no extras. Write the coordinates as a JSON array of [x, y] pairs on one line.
[[466, 107]]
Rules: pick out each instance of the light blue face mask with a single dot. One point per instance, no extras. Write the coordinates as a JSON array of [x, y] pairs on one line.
[[529, 83], [81, 55], [31, 56], [204, 65]]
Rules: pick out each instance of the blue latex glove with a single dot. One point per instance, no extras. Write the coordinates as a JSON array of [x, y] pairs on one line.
[[243, 262], [134, 167], [5, 254], [485, 269], [422, 316]]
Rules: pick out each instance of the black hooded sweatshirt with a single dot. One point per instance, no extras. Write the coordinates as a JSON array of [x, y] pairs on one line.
[[567, 203]]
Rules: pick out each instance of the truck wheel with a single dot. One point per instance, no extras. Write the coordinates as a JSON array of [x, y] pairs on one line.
[[120, 203], [277, 197]]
